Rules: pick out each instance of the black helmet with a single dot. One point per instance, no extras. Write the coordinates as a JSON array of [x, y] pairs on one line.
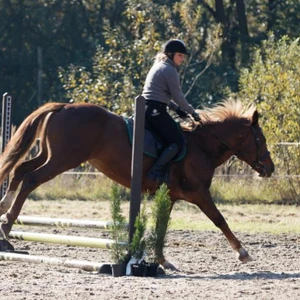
[[173, 46]]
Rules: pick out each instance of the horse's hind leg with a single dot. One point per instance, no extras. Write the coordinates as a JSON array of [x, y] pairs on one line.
[[30, 182], [17, 176]]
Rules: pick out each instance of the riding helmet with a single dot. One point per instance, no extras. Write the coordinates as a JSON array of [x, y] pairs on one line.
[[175, 45]]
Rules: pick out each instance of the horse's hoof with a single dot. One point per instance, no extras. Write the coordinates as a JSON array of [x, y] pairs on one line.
[[161, 270], [6, 246], [246, 259], [244, 256], [168, 266]]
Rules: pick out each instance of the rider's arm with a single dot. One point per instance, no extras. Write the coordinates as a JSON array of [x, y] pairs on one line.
[[173, 82]]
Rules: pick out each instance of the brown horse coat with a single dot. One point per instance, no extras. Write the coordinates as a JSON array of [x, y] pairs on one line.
[[74, 133]]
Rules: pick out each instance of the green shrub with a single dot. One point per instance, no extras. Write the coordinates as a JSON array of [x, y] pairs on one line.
[[160, 214], [273, 83], [138, 243], [118, 229]]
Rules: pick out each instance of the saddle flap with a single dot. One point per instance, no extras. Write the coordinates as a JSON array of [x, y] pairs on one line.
[[153, 144]]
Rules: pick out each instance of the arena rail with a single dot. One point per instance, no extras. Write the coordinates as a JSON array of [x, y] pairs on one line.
[[79, 241], [80, 264], [60, 222], [70, 240]]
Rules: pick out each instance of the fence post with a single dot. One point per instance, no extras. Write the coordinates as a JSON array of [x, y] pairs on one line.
[[5, 131], [137, 162]]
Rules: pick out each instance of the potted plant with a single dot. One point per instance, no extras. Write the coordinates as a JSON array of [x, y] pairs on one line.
[[138, 244], [160, 222], [119, 234]]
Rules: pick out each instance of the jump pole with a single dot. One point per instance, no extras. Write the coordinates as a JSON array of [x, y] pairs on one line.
[[5, 131], [137, 162], [61, 239], [61, 222], [81, 264]]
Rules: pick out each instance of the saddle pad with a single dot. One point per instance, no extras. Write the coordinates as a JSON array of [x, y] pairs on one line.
[[152, 145]]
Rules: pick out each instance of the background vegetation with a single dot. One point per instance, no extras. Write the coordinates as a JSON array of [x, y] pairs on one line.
[[225, 190], [100, 51], [262, 209]]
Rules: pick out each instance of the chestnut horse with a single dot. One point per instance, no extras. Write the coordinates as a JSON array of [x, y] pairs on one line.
[[74, 133]]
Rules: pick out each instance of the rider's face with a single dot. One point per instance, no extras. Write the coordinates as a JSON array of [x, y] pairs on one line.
[[178, 58]]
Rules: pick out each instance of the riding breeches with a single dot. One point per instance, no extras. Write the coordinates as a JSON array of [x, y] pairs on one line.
[[157, 116]]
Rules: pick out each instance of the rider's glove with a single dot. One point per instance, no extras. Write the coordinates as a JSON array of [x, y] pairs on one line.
[[182, 114], [196, 116]]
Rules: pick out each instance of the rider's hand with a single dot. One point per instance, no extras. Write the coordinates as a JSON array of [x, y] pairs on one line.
[[182, 114], [196, 116]]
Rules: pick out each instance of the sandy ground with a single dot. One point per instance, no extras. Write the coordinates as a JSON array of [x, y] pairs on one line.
[[208, 269]]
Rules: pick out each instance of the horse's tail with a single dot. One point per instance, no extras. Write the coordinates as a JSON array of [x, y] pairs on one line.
[[24, 137]]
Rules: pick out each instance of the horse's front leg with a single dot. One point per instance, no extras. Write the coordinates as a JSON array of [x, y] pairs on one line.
[[204, 201]]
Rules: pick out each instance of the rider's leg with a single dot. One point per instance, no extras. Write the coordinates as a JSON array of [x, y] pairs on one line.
[[168, 129], [157, 171]]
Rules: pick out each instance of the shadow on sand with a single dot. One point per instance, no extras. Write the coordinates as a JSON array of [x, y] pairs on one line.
[[239, 276]]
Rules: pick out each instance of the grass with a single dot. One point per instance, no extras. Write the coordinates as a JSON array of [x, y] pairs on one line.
[[81, 187], [231, 190], [248, 205], [250, 218], [254, 190]]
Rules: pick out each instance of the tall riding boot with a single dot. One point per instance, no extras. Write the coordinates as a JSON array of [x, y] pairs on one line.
[[158, 169]]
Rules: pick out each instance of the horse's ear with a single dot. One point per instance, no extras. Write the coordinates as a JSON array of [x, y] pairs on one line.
[[255, 118]]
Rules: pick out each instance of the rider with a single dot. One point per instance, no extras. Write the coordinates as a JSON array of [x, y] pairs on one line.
[[162, 84]]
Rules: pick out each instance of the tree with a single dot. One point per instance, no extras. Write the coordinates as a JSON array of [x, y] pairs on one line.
[[273, 83], [62, 32], [39, 37], [119, 72]]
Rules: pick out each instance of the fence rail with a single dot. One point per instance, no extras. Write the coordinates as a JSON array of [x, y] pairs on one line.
[[288, 144], [216, 175]]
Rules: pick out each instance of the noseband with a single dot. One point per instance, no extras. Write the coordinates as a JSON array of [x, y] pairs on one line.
[[258, 163]]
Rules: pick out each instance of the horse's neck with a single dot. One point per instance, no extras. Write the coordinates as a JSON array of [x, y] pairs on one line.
[[215, 144]]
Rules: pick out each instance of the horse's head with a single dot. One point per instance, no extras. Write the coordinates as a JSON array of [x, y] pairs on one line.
[[254, 151]]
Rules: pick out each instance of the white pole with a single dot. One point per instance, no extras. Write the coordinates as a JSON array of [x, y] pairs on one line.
[[81, 264], [62, 239], [60, 222]]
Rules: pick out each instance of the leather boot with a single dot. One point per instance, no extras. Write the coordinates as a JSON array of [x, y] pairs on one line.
[[157, 172]]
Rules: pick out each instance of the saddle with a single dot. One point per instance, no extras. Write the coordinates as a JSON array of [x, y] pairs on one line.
[[153, 144]]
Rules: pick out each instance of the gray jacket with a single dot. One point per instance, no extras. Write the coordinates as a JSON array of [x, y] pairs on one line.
[[162, 84]]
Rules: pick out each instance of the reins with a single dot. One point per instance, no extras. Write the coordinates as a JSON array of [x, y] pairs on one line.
[[258, 163], [218, 138]]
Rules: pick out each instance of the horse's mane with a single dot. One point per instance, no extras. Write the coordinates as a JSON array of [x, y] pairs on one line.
[[228, 109]]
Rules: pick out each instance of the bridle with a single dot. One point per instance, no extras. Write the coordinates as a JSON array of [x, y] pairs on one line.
[[257, 165]]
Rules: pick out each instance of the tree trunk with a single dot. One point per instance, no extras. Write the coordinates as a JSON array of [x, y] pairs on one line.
[[243, 29], [271, 14], [221, 18], [228, 47], [39, 75]]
